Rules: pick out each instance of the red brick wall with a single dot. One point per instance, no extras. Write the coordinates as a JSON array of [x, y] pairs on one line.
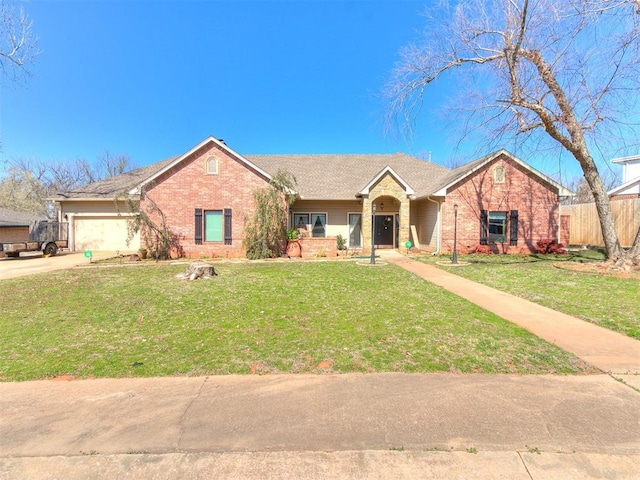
[[186, 187], [318, 247], [536, 202]]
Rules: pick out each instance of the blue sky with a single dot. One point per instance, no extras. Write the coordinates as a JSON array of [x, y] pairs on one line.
[[151, 79]]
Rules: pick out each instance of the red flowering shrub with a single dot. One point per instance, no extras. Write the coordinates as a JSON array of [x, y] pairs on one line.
[[549, 245], [483, 249]]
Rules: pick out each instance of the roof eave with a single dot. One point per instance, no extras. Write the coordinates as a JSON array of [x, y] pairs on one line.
[[632, 158], [624, 186], [111, 198]]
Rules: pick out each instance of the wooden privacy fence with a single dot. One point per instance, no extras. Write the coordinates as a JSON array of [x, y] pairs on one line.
[[584, 225]]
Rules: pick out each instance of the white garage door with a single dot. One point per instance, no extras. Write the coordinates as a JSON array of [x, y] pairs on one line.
[[103, 234]]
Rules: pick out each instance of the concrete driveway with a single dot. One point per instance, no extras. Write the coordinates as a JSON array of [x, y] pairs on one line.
[[34, 262]]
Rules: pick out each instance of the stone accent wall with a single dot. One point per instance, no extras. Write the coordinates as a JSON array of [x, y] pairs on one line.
[[537, 204], [388, 187], [186, 187]]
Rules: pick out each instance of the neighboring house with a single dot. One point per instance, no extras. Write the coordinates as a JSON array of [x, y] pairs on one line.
[[206, 193], [630, 187], [14, 226]]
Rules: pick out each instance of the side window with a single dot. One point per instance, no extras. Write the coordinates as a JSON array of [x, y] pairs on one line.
[[497, 227], [313, 224], [318, 223], [355, 229], [213, 226], [301, 221]]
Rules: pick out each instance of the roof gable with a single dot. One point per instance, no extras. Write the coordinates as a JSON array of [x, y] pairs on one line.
[[470, 168], [386, 171], [137, 189]]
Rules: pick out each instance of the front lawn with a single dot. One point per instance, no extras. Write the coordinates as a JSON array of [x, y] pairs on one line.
[[572, 284], [255, 318]]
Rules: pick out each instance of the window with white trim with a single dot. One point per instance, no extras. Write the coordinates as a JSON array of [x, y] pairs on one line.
[[355, 230], [315, 224]]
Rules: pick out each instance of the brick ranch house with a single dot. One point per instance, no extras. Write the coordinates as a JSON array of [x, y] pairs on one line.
[[206, 193]]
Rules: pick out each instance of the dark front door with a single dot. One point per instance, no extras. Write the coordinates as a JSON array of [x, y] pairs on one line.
[[384, 231]]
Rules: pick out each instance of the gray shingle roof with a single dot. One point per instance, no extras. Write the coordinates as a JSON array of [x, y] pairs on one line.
[[325, 177], [9, 218], [318, 176], [114, 186], [341, 177]]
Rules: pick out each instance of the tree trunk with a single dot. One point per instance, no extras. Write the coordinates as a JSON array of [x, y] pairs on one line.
[[198, 270], [603, 206]]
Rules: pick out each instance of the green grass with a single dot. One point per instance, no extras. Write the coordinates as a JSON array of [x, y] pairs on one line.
[[557, 282], [255, 317]]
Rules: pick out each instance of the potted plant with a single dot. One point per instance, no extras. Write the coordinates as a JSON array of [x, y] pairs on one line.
[[294, 249], [142, 252]]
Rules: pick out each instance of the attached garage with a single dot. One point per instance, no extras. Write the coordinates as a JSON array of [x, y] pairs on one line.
[[103, 234]]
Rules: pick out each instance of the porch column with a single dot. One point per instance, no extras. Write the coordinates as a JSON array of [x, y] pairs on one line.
[[366, 224], [405, 218], [71, 232]]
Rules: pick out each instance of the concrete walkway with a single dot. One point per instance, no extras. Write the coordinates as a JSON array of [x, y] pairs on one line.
[[351, 426], [603, 348]]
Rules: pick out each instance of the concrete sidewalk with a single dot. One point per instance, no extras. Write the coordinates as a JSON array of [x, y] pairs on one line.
[[322, 426]]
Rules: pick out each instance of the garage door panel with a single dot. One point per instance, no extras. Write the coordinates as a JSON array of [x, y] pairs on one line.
[[103, 233]]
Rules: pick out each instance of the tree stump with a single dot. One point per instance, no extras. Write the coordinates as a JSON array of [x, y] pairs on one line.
[[198, 270]]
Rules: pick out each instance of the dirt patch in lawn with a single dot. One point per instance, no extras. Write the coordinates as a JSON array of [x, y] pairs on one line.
[[598, 268]]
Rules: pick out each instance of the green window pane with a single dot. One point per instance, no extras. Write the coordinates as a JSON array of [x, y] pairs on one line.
[[213, 226]]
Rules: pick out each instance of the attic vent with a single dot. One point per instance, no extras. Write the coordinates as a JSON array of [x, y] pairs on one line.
[[212, 166], [498, 175]]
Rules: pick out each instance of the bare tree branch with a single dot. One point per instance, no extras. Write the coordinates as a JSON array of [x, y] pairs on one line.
[[18, 43]]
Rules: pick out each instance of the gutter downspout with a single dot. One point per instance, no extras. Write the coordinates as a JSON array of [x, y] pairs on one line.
[[438, 225]]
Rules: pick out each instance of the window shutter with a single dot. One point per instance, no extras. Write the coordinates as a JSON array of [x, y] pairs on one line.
[[227, 226], [198, 225], [513, 228], [484, 227]]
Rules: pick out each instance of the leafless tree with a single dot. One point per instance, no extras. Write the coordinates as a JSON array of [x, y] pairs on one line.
[[22, 191], [18, 43], [562, 72], [29, 183], [582, 192]]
